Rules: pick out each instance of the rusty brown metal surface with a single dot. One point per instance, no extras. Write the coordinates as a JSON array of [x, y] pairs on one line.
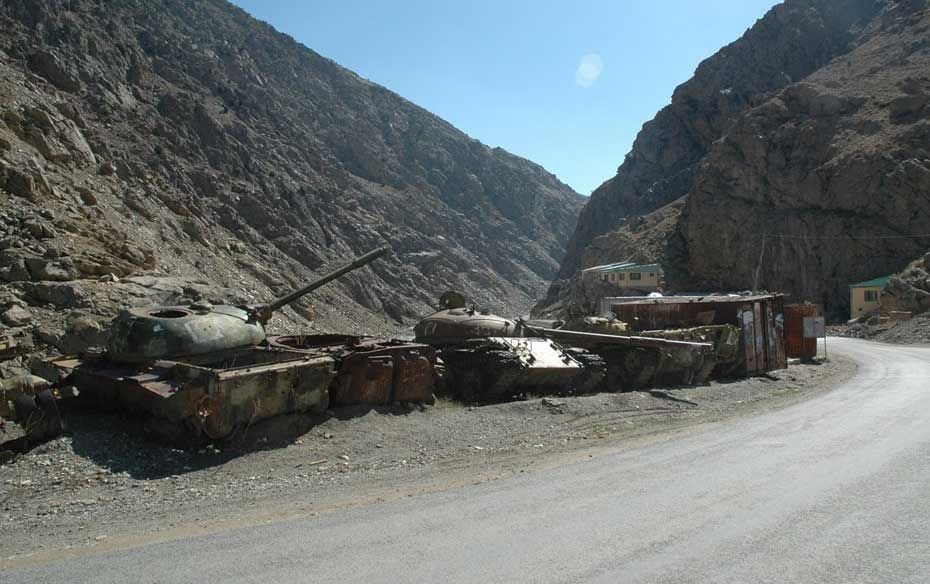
[[208, 397], [371, 371], [30, 402], [414, 378], [795, 343]]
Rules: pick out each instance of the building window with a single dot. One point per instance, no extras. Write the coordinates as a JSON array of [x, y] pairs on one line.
[[636, 276], [871, 295], [652, 274], [605, 277], [621, 276]]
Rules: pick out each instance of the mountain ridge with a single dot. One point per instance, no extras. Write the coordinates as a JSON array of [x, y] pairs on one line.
[[692, 193], [190, 142]]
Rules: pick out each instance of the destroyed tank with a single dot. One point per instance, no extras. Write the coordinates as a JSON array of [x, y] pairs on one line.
[[160, 332], [202, 372], [487, 358], [647, 359]]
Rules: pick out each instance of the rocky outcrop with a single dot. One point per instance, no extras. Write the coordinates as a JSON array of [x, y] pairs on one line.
[[186, 141], [826, 183], [802, 181]]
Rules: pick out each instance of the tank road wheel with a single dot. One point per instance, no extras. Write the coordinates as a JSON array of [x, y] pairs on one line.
[[502, 371], [52, 417], [469, 385], [593, 379], [631, 369], [29, 416]]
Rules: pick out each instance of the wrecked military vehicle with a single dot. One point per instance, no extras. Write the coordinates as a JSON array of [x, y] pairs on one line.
[[651, 358], [487, 358], [202, 372], [27, 401]]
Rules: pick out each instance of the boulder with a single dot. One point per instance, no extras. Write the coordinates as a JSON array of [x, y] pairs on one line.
[[60, 294], [16, 316], [50, 66], [83, 331], [29, 184]]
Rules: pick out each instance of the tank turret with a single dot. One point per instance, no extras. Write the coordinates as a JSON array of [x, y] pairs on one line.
[[489, 358], [454, 326], [159, 332]]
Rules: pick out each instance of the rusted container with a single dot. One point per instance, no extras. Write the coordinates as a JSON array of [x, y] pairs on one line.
[[795, 344]]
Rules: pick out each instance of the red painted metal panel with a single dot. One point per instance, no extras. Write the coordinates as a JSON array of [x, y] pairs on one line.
[[795, 343]]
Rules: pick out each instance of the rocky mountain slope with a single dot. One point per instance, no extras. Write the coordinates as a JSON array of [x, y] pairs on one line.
[[161, 151], [811, 129]]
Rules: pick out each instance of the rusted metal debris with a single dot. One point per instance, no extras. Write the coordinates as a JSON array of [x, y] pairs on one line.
[[371, 371], [205, 397], [29, 401]]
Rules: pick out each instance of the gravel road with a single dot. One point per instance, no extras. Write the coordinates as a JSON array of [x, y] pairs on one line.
[[103, 480]]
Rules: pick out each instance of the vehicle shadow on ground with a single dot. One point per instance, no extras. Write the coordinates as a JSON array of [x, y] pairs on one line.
[[127, 444], [357, 411], [121, 444], [665, 395]]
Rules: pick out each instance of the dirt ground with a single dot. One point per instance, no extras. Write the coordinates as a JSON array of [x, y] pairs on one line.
[[102, 481]]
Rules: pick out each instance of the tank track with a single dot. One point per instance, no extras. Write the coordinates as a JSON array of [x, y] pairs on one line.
[[482, 375], [595, 376]]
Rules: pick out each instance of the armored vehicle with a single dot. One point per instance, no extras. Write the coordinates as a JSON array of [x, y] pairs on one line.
[[202, 372], [651, 358], [488, 359]]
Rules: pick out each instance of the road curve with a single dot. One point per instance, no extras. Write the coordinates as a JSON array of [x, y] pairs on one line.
[[833, 489]]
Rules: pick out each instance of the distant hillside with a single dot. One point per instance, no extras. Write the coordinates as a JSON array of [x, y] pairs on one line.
[[186, 140], [811, 128]]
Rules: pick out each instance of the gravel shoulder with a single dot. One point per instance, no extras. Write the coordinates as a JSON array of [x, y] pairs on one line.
[[103, 486]]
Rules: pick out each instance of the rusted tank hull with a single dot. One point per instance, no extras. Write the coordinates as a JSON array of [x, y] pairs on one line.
[[371, 371], [209, 397], [759, 320], [723, 337], [636, 362], [502, 368]]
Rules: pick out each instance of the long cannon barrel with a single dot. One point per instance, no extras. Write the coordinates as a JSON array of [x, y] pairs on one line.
[[590, 340], [265, 311]]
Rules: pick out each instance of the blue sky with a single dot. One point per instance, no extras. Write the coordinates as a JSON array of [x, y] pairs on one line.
[[565, 84]]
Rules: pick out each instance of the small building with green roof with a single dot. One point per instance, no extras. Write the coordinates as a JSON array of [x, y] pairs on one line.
[[865, 297], [630, 277]]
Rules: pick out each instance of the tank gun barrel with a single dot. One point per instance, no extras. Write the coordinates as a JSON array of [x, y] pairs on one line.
[[264, 311], [594, 340]]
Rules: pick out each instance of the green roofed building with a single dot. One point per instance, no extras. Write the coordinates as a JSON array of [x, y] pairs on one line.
[[628, 276], [865, 297]]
